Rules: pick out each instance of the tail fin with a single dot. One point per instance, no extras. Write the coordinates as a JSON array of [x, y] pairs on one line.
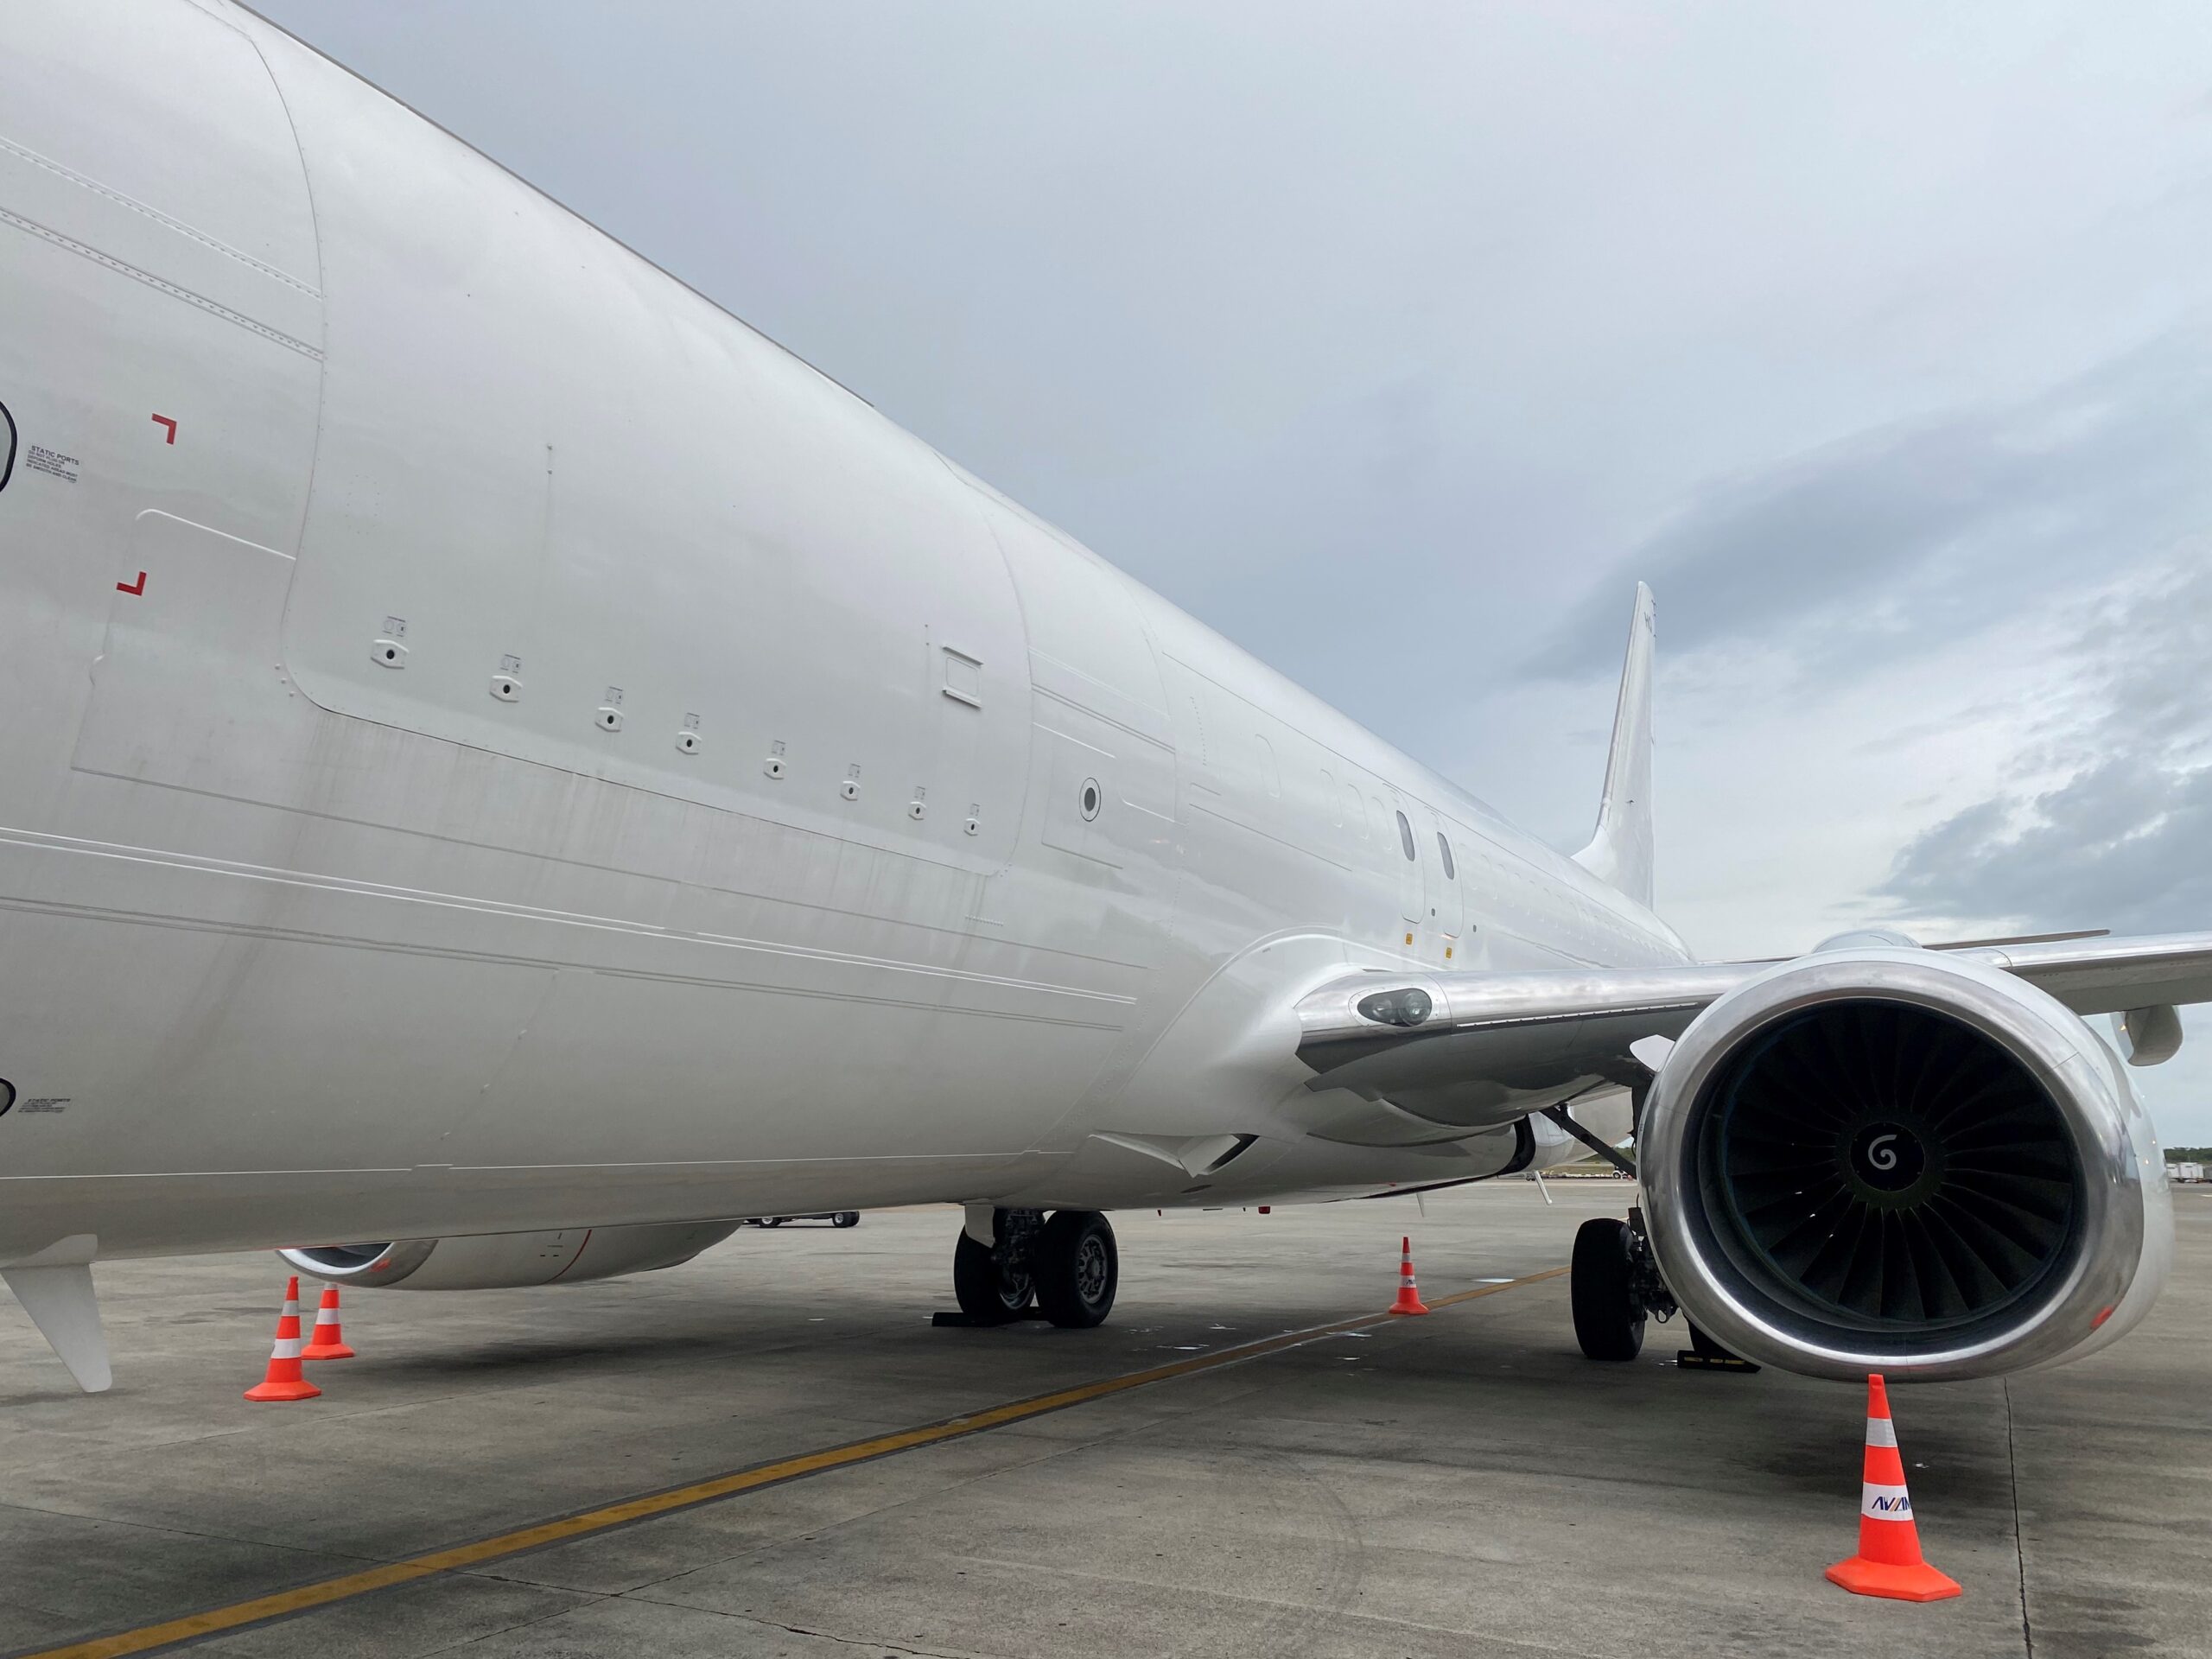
[[1620, 848]]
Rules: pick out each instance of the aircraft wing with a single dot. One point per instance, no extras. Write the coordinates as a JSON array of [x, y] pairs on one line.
[[1459, 1045], [2107, 976]]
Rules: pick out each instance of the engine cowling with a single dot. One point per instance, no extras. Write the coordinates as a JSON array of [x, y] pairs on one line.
[[509, 1260], [1883, 1159]]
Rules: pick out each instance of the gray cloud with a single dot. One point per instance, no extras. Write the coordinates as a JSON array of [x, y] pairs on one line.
[[2124, 837], [1896, 541], [2125, 845]]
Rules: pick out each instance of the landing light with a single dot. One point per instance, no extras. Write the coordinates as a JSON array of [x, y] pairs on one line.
[[1406, 1008]]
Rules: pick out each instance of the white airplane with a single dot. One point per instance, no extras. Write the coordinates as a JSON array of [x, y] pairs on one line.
[[507, 760]]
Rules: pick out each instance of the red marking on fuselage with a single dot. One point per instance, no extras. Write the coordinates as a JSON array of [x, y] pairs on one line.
[[127, 588], [163, 420]]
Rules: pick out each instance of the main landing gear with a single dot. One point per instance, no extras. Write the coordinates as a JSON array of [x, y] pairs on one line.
[[1612, 1284], [1067, 1266]]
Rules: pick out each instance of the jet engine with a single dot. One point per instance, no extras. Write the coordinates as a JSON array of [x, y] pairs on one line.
[[1883, 1158], [507, 1261]]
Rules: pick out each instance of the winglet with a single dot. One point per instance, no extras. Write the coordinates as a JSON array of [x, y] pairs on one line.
[[1620, 848]]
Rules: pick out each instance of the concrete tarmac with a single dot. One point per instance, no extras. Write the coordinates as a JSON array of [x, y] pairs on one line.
[[1462, 1484]]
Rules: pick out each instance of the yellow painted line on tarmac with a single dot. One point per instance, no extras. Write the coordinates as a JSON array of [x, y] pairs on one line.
[[309, 1597]]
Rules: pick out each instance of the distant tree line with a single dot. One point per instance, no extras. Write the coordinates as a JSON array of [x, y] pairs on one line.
[[2189, 1154]]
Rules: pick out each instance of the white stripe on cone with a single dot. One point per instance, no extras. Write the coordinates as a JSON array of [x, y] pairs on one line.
[[1880, 1431], [286, 1348], [1885, 1502]]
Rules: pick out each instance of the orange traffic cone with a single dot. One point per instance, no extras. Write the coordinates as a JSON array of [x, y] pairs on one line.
[[1408, 1293], [328, 1339], [284, 1381], [1889, 1562]]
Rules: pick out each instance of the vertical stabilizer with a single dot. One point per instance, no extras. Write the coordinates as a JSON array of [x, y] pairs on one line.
[[1620, 848]]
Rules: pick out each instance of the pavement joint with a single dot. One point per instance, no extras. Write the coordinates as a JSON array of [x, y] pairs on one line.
[[2019, 1549], [872, 1644], [520, 1625], [168, 1531], [1392, 1621]]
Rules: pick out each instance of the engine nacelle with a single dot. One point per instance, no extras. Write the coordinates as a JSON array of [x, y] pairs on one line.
[[508, 1260], [1878, 1158]]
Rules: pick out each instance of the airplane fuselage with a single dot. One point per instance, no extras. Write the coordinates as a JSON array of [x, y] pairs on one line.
[[499, 744]]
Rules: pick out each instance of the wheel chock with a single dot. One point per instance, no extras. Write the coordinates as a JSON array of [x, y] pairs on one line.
[[1689, 1359], [1704, 1354], [953, 1319]]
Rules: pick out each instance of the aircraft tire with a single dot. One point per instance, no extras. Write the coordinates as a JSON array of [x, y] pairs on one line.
[[846, 1218], [985, 1293], [1608, 1318], [1078, 1269]]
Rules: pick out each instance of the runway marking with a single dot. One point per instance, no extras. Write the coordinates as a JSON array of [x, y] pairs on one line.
[[309, 1597]]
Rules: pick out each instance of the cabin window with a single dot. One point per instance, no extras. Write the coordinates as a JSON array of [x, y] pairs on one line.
[[1444, 847], [1406, 837]]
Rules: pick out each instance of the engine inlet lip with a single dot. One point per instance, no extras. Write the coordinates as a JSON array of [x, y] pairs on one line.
[[2034, 1029], [360, 1264]]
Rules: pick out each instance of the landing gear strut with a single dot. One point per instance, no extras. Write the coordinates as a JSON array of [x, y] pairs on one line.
[[1067, 1266], [1613, 1285]]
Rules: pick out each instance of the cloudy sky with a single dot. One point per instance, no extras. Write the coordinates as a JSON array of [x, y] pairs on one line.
[[1398, 341]]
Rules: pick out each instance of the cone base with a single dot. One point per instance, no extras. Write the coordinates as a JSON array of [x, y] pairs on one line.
[[336, 1350], [1404, 1306], [1918, 1583], [267, 1391]]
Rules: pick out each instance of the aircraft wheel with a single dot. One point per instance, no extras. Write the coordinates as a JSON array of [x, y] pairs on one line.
[[1077, 1268], [846, 1218], [987, 1292], [1608, 1317]]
